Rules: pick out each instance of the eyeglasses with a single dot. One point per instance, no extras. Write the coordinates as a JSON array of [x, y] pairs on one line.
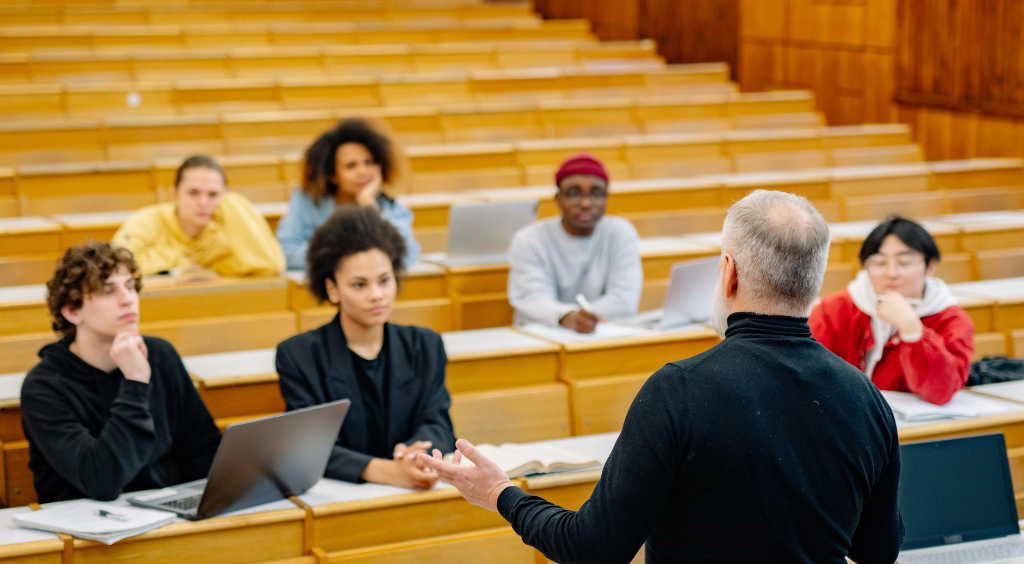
[[880, 265], [574, 197]]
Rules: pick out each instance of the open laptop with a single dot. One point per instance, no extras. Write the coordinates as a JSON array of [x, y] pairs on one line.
[[258, 461], [480, 233], [956, 498], [688, 299]]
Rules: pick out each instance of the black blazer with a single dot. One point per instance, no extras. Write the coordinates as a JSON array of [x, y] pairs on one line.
[[316, 367]]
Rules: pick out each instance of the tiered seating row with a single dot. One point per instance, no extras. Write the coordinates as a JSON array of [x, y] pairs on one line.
[[168, 98], [118, 138], [22, 39], [258, 11], [313, 60], [125, 185]]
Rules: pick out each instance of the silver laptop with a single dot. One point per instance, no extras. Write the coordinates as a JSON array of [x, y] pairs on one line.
[[956, 498], [258, 461], [481, 233], [688, 299]]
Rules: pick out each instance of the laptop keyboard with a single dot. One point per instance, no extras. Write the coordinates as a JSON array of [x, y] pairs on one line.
[[982, 553], [186, 504]]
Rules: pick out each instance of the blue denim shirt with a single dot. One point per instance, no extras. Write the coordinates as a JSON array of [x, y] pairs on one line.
[[304, 216]]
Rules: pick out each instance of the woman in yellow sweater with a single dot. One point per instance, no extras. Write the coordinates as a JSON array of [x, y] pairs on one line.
[[205, 226]]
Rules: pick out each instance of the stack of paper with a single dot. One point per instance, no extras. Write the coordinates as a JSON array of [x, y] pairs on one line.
[[601, 332], [94, 520], [964, 405]]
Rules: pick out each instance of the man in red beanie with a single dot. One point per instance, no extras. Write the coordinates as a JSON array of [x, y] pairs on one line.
[[582, 252]]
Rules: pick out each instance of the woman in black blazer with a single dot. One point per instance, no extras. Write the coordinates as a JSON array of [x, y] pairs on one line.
[[394, 374]]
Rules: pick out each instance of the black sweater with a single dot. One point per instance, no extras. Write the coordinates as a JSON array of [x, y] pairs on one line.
[[766, 448], [317, 367], [96, 434]]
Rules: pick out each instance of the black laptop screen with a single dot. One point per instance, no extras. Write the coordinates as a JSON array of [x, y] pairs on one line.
[[956, 490]]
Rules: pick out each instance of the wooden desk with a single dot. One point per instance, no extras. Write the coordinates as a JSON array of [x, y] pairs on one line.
[[853, 234], [879, 179], [25, 546], [605, 375], [987, 230], [237, 384], [976, 173], [273, 531], [498, 358], [658, 254], [78, 227], [982, 311], [23, 310], [29, 235], [162, 300], [1008, 295], [350, 518]]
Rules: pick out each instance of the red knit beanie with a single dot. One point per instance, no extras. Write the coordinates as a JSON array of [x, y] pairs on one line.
[[582, 163]]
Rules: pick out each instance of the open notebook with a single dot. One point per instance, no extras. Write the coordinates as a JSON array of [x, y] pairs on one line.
[[964, 405], [519, 460]]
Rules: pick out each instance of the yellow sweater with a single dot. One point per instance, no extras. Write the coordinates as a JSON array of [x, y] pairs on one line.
[[236, 242]]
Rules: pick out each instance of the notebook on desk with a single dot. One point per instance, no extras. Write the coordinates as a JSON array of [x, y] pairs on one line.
[[688, 299], [957, 502], [258, 461], [480, 233]]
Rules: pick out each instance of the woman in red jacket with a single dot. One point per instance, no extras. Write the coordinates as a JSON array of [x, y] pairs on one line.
[[896, 322]]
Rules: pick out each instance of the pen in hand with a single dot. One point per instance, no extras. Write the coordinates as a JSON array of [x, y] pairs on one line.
[[582, 301], [109, 515]]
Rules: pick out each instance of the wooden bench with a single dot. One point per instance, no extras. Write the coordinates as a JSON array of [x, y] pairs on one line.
[[277, 131], [987, 230], [332, 60], [1007, 295], [20, 39], [164, 14]]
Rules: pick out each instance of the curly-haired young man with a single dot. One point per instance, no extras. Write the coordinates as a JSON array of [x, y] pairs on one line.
[[107, 410]]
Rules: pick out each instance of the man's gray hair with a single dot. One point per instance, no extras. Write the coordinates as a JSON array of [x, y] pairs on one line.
[[779, 243]]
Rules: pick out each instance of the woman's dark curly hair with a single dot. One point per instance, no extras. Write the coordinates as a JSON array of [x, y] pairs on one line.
[[350, 230], [318, 166], [83, 270]]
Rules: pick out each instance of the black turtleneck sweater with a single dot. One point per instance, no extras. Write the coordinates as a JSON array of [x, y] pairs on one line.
[[96, 434], [766, 448]]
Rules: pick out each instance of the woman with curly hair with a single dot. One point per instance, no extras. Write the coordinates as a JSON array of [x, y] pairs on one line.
[[394, 374], [352, 164]]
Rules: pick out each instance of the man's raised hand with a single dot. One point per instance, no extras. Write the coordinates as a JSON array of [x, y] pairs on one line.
[[480, 484]]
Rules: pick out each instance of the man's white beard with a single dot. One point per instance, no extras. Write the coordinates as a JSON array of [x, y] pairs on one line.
[[719, 311]]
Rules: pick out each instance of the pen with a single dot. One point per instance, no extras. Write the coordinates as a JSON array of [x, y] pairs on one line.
[[582, 300], [112, 516], [911, 301]]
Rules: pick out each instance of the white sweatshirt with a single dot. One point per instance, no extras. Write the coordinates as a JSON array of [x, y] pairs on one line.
[[548, 267]]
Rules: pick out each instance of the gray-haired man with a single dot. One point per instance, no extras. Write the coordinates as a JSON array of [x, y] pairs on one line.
[[766, 448]]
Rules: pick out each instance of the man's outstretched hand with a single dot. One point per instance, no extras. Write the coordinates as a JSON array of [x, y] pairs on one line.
[[480, 484]]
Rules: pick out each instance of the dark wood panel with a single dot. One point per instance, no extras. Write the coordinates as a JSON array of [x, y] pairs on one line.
[[966, 56], [693, 31], [687, 31]]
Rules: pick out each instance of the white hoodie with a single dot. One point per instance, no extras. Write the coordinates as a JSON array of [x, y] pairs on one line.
[[937, 297]]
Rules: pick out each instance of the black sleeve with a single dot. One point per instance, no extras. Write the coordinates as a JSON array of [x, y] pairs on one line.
[[631, 494], [879, 533], [436, 425], [197, 437], [99, 466], [295, 377]]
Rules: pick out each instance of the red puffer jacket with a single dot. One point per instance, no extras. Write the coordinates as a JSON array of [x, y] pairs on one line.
[[934, 367]]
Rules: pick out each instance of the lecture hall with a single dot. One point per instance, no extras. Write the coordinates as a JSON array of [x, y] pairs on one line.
[[443, 280]]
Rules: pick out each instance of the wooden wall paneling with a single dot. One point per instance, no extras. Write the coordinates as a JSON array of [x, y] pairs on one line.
[[763, 19], [693, 31]]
